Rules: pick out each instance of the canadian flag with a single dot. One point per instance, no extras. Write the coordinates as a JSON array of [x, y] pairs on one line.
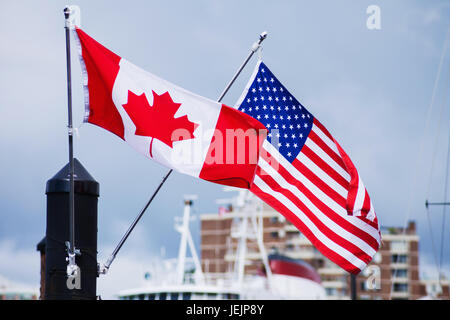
[[177, 128]]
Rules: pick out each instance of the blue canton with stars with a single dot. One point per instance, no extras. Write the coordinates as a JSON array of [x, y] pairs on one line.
[[288, 122]]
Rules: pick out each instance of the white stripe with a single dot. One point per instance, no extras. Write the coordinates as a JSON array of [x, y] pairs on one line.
[[359, 200], [360, 243], [325, 139], [322, 196], [347, 255], [325, 157]]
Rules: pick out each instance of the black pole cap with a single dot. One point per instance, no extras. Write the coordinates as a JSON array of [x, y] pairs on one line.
[[83, 182]]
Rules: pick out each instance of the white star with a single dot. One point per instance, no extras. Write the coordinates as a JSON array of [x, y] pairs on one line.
[[258, 117], [262, 70], [264, 107], [268, 126], [306, 125], [274, 117], [248, 100], [265, 79], [301, 135], [250, 109], [293, 136], [298, 126], [279, 144], [291, 127], [276, 126], [303, 116], [276, 99], [295, 145], [256, 108], [271, 80], [253, 90], [271, 108], [289, 154], [266, 116], [278, 135], [296, 116], [255, 99], [286, 108], [260, 89], [270, 98], [281, 89], [290, 98], [259, 79], [288, 117], [285, 135], [281, 118], [267, 89], [262, 98], [284, 98], [274, 89], [284, 127], [287, 144]]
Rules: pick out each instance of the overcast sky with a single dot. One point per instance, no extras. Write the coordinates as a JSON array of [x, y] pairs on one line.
[[371, 88]]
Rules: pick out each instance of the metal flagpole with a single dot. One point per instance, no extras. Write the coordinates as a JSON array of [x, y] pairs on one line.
[[104, 269], [71, 250]]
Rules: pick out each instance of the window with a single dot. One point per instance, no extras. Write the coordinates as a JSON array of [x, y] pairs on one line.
[[399, 273], [174, 296], [274, 234], [163, 296], [400, 287], [331, 291], [186, 296], [399, 258]]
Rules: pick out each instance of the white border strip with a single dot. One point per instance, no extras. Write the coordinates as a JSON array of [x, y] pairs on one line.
[[84, 76], [247, 87]]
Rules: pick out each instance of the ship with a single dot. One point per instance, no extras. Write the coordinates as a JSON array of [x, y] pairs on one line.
[[182, 278]]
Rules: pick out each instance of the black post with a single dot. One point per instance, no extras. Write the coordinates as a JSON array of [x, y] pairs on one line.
[[57, 284], [353, 286]]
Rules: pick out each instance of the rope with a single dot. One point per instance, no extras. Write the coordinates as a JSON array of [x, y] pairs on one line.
[[443, 211], [421, 146]]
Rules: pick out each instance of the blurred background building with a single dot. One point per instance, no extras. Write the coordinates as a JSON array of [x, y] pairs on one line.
[[392, 274]]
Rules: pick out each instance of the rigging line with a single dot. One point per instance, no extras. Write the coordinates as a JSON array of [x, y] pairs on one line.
[[430, 228], [443, 211], [422, 143]]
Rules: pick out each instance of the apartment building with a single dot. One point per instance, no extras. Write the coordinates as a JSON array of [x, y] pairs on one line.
[[393, 273]]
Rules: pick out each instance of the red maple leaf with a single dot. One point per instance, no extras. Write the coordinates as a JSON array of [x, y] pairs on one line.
[[158, 121]]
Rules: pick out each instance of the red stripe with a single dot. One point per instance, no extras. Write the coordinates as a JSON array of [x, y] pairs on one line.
[[325, 166], [333, 236], [323, 129], [330, 254], [318, 141], [329, 212]]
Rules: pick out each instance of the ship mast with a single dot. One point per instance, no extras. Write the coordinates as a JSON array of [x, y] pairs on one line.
[[186, 240]]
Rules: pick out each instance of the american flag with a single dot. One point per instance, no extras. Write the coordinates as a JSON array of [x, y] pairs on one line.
[[305, 175]]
